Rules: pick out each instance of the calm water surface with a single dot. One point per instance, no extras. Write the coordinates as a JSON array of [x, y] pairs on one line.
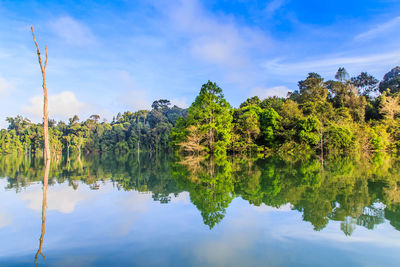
[[120, 210]]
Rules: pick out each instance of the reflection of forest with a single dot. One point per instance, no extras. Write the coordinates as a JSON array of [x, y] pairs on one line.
[[355, 191]]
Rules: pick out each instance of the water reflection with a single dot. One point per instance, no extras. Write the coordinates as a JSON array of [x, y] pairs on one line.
[[210, 185], [356, 191], [44, 207]]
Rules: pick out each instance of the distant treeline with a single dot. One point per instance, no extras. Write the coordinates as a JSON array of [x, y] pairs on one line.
[[144, 130], [348, 113]]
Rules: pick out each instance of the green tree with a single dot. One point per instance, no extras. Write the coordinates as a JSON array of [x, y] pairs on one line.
[[365, 83], [389, 106], [346, 95], [269, 125], [309, 129], [290, 115], [211, 113], [341, 75], [391, 81], [246, 124], [312, 89]]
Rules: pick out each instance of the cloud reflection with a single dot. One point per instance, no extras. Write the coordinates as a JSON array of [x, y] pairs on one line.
[[61, 198], [5, 220]]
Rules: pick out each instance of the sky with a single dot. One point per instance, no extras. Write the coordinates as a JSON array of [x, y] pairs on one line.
[[107, 57]]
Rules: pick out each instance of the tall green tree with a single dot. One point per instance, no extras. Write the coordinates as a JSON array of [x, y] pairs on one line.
[[212, 114], [342, 75]]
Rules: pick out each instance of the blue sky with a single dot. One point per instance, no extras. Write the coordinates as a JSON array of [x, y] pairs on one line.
[[106, 57]]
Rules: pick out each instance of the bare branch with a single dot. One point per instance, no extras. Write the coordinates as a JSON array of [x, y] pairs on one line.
[[38, 51], [45, 99]]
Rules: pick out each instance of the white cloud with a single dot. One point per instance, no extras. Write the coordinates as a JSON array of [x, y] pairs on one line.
[[61, 198], [330, 64], [180, 102], [105, 114], [226, 250], [61, 106], [5, 87], [392, 24], [4, 55], [136, 201], [136, 100], [183, 197], [274, 6], [216, 40], [134, 204], [72, 31], [262, 93], [4, 220], [214, 50], [264, 208], [131, 96], [3, 124]]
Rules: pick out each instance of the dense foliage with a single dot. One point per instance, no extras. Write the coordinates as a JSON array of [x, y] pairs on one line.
[[207, 127], [143, 130], [321, 116], [345, 114]]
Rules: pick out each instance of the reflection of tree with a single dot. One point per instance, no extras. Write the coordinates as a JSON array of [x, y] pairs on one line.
[[391, 193], [209, 184], [315, 210], [370, 217], [44, 207], [393, 215], [153, 174], [346, 190], [392, 211], [348, 225]]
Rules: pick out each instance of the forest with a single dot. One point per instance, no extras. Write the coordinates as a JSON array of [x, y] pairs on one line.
[[346, 114], [139, 131]]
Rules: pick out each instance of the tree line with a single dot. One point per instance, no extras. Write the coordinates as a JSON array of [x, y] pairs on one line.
[[348, 113], [143, 130]]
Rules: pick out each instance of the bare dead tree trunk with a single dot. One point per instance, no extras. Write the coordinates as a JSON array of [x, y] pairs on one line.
[[45, 113]]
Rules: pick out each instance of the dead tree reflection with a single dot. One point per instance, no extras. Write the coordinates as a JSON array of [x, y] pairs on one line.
[[44, 207]]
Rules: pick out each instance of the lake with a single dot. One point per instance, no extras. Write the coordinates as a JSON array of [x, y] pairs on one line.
[[108, 210]]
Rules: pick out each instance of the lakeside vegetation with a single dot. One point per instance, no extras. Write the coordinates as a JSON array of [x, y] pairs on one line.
[[346, 114], [142, 130]]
